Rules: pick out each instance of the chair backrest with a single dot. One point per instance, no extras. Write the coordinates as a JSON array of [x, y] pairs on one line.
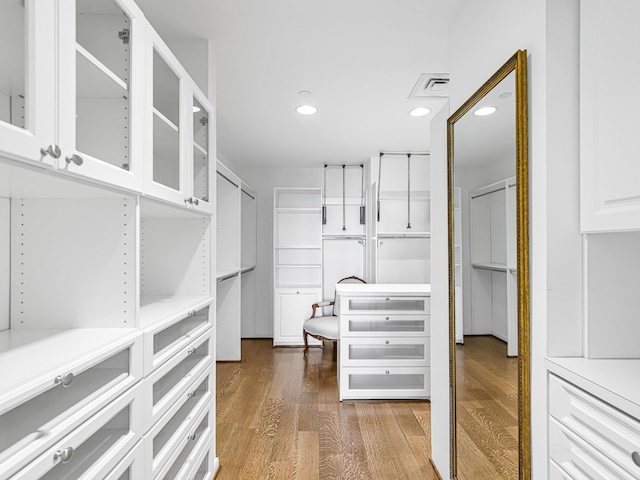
[[336, 304]]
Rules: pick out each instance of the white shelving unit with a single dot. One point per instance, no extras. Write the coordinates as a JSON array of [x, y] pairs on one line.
[[106, 289], [493, 268], [457, 252], [248, 217], [402, 232], [297, 260]]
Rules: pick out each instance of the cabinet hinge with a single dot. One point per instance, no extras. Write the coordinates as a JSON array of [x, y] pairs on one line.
[[204, 121], [124, 36]]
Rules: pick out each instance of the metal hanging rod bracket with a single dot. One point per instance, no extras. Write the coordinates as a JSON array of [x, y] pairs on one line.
[[404, 154]]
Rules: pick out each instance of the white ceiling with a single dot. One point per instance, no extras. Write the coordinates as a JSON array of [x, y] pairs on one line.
[[359, 59]]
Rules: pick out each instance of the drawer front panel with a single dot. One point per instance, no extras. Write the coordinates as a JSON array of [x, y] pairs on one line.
[[163, 342], [574, 454], [390, 304], [556, 473], [66, 400], [167, 433], [414, 352], [199, 436], [615, 434], [384, 325], [94, 449], [171, 381], [131, 467], [204, 466], [381, 382]]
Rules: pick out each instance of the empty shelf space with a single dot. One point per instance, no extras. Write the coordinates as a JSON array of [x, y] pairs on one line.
[[155, 308]]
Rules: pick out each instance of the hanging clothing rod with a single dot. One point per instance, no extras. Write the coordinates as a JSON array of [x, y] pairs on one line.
[[226, 277], [404, 154], [228, 179], [343, 237], [248, 194], [342, 165]]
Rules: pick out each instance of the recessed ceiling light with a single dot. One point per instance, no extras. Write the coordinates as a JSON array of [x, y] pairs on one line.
[[419, 111], [484, 111], [196, 109], [306, 109]]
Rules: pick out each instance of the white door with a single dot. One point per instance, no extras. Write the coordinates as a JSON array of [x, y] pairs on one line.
[[292, 308]]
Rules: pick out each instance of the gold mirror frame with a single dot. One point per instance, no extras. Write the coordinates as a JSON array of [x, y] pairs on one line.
[[517, 63]]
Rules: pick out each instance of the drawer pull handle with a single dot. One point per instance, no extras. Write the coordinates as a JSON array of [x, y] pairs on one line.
[[191, 394], [386, 342], [386, 372], [387, 299], [64, 380], [53, 150], [635, 456], [75, 158], [63, 455], [191, 351], [386, 318], [191, 437]]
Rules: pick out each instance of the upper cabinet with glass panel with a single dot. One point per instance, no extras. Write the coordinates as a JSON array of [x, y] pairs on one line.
[[102, 44], [27, 81], [203, 144]]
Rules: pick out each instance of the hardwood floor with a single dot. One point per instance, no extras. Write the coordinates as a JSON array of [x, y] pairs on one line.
[[279, 418], [486, 409]]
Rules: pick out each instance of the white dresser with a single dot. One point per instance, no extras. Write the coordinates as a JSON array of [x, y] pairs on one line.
[[594, 433], [384, 347]]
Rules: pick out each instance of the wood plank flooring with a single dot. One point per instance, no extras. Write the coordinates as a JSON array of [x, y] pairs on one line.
[[279, 418], [486, 409]]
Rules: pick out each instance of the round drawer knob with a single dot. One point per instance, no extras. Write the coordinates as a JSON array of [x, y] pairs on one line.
[[386, 342], [386, 318], [63, 455], [64, 380], [386, 372], [635, 456]]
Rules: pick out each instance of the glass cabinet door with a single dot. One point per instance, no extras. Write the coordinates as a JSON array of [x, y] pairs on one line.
[[27, 81], [201, 149], [97, 117]]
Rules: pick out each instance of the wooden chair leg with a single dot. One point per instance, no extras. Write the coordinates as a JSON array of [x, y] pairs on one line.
[[306, 344]]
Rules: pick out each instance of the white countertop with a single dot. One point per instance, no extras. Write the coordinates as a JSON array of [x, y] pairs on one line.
[[396, 289]]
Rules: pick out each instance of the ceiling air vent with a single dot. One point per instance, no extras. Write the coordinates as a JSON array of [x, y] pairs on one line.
[[431, 85]]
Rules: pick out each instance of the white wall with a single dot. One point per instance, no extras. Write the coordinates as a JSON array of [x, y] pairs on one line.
[[264, 180], [483, 36]]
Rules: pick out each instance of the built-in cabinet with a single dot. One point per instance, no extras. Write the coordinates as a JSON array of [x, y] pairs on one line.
[[594, 399], [107, 318], [493, 263], [384, 347], [297, 260]]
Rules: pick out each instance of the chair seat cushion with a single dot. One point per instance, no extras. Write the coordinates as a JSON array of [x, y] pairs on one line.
[[324, 326]]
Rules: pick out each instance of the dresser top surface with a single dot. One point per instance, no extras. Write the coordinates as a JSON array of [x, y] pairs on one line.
[[375, 289]]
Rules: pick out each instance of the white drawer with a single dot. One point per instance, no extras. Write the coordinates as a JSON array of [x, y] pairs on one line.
[[383, 382], [168, 432], [202, 467], [165, 339], [607, 429], [131, 467], [199, 437], [92, 450], [380, 352], [383, 305], [33, 421], [556, 473], [171, 381], [384, 325], [578, 457]]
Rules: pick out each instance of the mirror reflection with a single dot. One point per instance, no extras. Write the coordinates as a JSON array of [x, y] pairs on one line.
[[484, 255]]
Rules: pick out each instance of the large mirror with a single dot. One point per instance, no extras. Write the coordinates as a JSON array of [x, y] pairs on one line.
[[489, 279]]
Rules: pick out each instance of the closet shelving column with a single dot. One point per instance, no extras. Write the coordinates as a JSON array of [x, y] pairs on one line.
[[297, 260], [248, 220], [343, 228], [228, 264], [403, 227], [457, 252], [493, 269]]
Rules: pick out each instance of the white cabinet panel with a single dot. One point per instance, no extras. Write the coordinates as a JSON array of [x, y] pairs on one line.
[[292, 308], [609, 170]]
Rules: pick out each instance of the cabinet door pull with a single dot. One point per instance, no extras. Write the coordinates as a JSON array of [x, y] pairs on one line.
[[52, 150], [188, 200], [64, 380], [196, 201], [63, 455], [191, 351], [635, 456], [75, 158]]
